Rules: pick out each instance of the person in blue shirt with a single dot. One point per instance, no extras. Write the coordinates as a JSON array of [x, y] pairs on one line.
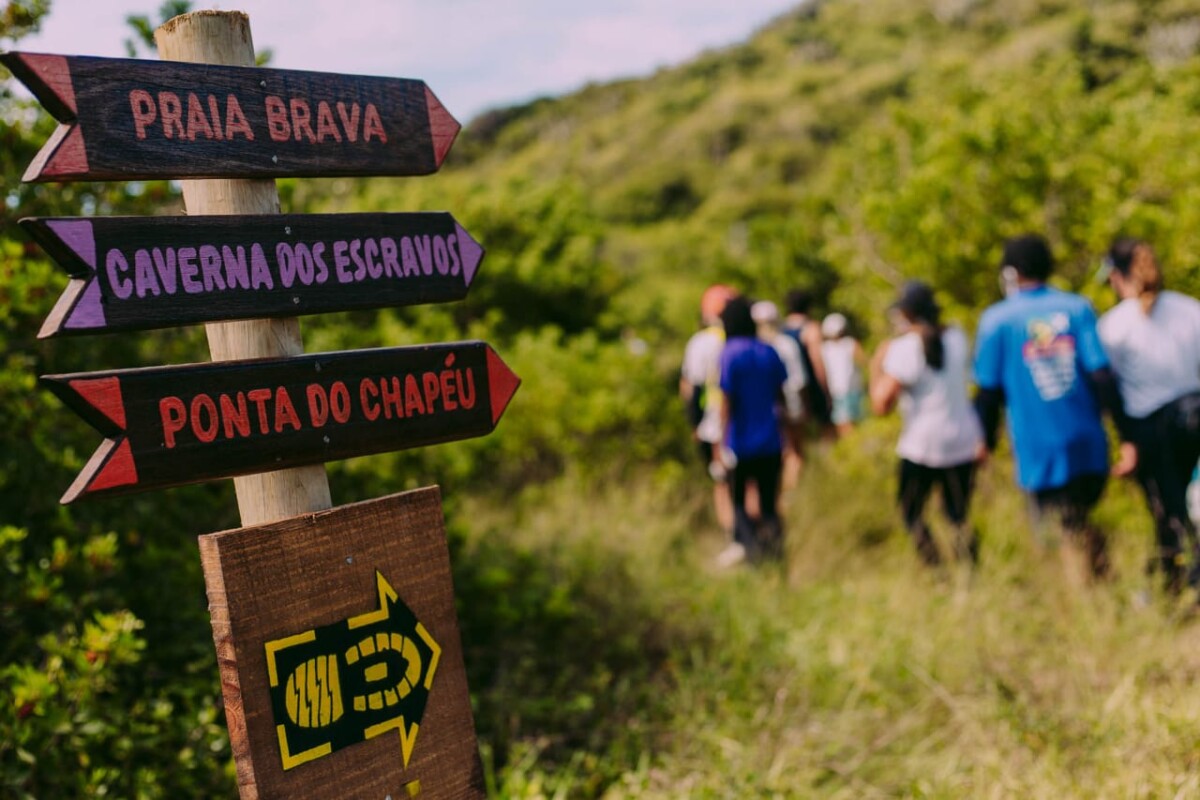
[[1038, 354], [752, 381]]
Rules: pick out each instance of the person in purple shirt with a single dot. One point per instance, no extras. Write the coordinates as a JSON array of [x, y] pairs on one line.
[[752, 380]]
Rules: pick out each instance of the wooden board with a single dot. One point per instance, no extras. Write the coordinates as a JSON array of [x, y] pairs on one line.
[[168, 426], [127, 119], [138, 273], [340, 658]]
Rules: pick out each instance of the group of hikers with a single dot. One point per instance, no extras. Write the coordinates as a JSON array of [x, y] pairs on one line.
[[755, 384]]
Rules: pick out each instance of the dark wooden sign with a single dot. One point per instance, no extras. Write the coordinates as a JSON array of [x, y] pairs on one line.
[[136, 273], [340, 657], [126, 119], [168, 426]]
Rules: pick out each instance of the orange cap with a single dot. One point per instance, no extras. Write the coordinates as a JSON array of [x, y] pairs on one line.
[[713, 301]]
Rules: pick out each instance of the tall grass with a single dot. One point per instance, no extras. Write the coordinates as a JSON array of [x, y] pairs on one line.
[[849, 671]]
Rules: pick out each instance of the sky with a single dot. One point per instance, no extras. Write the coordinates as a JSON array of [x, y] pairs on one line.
[[474, 54]]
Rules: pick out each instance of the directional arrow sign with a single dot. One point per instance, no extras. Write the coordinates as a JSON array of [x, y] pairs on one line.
[[168, 426], [341, 684], [136, 273], [127, 119]]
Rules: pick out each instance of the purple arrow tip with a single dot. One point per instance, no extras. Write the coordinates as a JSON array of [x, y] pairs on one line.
[[471, 252], [88, 312], [77, 235]]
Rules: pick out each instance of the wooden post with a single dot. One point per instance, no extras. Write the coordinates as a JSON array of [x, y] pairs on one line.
[[223, 37]]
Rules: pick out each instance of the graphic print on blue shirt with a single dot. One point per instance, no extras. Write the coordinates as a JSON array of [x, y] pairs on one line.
[[1049, 353]]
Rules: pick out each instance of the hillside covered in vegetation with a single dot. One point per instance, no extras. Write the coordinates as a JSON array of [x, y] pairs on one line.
[[846, 146]]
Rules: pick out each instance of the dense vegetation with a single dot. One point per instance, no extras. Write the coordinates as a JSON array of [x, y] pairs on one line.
[[847, 145]]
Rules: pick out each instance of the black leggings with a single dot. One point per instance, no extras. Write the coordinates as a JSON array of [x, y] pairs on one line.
[[1072, 504], [764, 472], [916, 484], [1168, 443]]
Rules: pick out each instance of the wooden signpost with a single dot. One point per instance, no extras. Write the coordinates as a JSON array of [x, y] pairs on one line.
[[168, 426], [137, 273], [123, 119], [339, 651]]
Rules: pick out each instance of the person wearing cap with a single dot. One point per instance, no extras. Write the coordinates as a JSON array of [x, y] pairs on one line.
[[766, 316], [843, 357], [699, 387], [1152, 337], [1038, 354], [924, 369], [752, 381]]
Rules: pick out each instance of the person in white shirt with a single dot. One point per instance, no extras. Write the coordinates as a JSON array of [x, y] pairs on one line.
[[1152, 338], [700, 389], [924, 369], [766, 315], [843, 356]]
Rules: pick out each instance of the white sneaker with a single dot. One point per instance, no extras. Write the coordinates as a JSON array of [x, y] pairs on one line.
[[731, 556]]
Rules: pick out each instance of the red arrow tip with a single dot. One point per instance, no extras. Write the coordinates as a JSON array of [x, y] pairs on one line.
[[502, 384], [110, 466], [104, 394], [442, 127], [49, 78], [63, 156]]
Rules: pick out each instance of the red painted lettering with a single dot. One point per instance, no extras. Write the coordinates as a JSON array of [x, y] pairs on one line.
[[173, 414], [235, 416], [318, 405], [412, 396], [432, 392], [203, 405], [325, 124], [392, 400], [447, 382], [215, 113], [235, 120], [368, 394], [197, 122], [172, 114], [466, 392], [144, 111], [302, 119], [277, 119], [285, 412], [350, 122], [372, 125], [339, 402], [260, 397]]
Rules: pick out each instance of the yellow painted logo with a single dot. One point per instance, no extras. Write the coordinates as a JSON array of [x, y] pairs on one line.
[[344, 683]]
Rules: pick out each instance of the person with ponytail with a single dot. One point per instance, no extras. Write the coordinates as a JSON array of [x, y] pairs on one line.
[[924, 370], [1152, 337]]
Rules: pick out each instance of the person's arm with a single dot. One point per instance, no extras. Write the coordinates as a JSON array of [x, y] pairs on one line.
[[1094, 364], [989, 399], [1103, 383], [989, 402], [882, 388]]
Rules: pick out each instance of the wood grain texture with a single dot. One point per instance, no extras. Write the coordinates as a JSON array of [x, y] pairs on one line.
[[272, 582], [135, 119], [196, 422], [223, 38], [139, 273]]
